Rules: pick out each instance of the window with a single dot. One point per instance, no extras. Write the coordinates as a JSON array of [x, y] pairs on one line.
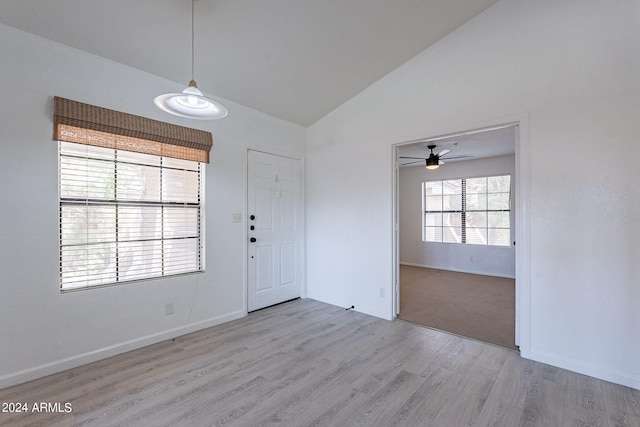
[[470, 210], [126, 214]]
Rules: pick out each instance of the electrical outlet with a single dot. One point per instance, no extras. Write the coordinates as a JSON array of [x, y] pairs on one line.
[[168, 309], [236, 217]]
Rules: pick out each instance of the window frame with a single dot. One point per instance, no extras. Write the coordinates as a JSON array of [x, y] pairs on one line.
[[464, 210], [124, 204]]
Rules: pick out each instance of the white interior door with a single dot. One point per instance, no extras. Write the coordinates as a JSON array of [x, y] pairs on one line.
[[274, 219]]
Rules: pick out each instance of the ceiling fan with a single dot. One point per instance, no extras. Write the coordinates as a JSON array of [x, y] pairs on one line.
[[434, 160]]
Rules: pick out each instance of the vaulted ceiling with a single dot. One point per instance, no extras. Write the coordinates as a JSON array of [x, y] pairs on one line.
[[293, 59]]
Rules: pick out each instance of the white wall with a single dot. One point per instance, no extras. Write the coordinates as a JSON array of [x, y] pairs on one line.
[[572, 69], [478, 259], [45, 331]]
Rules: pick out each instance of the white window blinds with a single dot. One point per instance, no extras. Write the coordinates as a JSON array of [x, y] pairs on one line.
[[126, 216], [475, 211]]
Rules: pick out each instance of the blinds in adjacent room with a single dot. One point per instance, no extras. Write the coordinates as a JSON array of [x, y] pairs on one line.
[[130, 208], [474, 211]]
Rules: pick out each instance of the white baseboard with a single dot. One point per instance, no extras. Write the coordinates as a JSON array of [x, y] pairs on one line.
[[612, 375], [436, 267], [113, 350]]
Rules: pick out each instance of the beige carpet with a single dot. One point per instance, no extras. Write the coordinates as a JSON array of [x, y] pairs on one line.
[[471, 305]]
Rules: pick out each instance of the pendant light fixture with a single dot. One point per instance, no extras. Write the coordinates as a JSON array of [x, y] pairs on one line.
[[191, 103]]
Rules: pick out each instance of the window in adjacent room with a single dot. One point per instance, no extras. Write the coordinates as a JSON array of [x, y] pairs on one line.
[[130, 208], [469, 210]]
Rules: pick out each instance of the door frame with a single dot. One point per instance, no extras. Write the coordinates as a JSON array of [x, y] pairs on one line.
[[245, 223], [522, 214]]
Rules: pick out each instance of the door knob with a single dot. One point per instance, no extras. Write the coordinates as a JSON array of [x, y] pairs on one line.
[[252, 240]]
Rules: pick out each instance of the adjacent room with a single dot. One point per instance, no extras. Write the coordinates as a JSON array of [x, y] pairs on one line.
[[457, 233], [203, 222]]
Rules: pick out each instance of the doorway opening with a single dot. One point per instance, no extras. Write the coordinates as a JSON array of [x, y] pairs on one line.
[[455, 264]]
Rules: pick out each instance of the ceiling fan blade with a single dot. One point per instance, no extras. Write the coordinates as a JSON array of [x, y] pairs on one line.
[[411, 163], [443, 153], [421, 158], [440, 162], [463, 156]]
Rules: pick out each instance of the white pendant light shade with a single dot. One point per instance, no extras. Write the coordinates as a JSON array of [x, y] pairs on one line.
[[192, 104]]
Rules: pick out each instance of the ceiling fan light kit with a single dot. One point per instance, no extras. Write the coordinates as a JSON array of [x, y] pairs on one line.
[[191, 103], [432, 162]]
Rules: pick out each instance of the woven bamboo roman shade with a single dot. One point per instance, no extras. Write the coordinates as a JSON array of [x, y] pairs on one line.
[[90, 125]]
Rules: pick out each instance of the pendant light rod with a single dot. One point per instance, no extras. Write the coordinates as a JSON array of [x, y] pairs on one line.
[[191, 103], [193, 38]]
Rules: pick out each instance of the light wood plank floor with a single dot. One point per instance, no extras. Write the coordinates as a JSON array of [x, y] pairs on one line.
[[308, 363]]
